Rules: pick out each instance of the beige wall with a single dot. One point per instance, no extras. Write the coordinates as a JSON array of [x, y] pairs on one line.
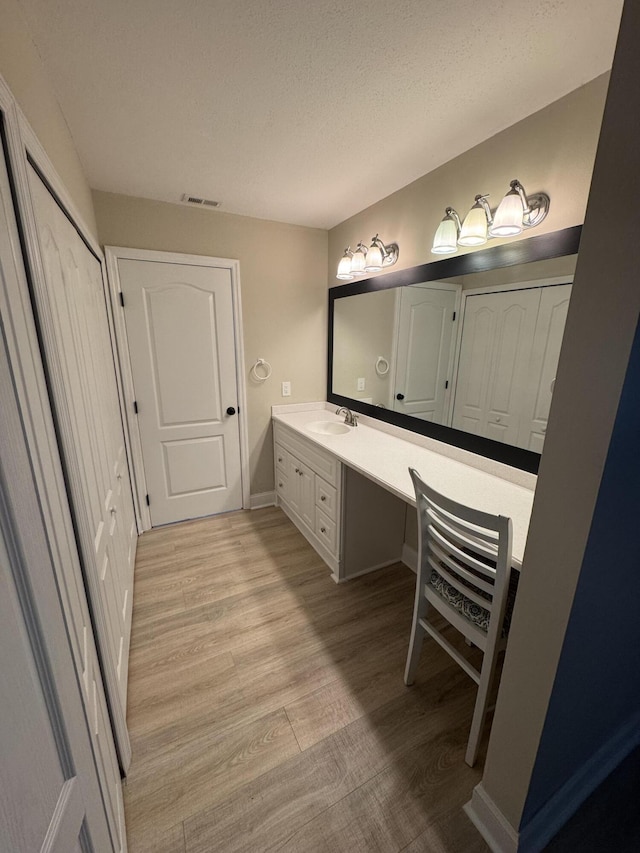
[[552, 151], [22, 69], [283, 273]]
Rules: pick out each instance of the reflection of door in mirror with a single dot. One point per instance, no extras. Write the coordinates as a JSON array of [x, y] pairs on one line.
[[509, 351], [424, 350]]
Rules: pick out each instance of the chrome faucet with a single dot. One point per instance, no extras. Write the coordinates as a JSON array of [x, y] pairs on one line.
[[349, 417]]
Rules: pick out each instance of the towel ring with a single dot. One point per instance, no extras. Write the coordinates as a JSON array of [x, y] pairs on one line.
[[382, 366], [267, 370]]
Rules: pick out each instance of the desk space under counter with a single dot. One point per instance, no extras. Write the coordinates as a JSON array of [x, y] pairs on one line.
[[351, 496], [354, 524]]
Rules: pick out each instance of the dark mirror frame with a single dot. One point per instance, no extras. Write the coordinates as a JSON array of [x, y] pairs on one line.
[[543, 247]]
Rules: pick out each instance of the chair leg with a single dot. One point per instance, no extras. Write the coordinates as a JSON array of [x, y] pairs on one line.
[[487, 674], [415, 643]]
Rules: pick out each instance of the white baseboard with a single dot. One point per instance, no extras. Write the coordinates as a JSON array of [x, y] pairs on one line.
[[545, 824], [262, 499], [490, 822], [362, 572], [568, 799], [410, 557]]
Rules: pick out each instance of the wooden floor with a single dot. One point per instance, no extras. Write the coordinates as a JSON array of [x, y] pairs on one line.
[[267, 709]]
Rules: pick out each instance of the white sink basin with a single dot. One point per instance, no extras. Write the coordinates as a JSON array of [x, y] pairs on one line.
[[327, 428]]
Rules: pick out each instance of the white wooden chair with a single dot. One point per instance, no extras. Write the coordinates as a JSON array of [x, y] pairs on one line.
[[464, 570]]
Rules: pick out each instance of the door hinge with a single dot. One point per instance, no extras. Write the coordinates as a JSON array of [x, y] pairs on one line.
[[135, 406], [446, 384], [454, 316], [148, 501], [122, 299]]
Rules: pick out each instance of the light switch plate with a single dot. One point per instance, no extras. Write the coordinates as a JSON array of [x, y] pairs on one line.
[[361, 383], [286, 389]]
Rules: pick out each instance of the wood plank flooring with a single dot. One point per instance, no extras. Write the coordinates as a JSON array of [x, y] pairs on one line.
[[267, 709]]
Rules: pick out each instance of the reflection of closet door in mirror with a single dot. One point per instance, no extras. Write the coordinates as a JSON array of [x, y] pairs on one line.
[[424, 359], [552, 316], [497, 340]]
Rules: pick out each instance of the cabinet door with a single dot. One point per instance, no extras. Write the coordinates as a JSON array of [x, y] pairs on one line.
[[552, 316], [497, 339], [307, 495], [300, 494], [293, 488]]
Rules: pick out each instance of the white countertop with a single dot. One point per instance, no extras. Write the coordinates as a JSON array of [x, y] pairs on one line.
[[386, 459]]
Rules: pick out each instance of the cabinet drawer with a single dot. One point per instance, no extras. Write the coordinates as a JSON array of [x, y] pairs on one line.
[[326, 530], [320, 460], [282, 484], [281, 457], [326, 498]]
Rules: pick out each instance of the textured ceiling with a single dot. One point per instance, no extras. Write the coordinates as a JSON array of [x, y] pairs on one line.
[[303, 112]]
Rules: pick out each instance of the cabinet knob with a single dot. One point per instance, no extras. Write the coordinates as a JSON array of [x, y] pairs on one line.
[[279, 485], [297, 470], [300, 472], [323, 530], [279, 458], [497, 420], [399, 396], [323, 497]]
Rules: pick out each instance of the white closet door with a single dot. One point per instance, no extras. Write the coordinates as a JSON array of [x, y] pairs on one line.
[[77, 348], [552, 316], [59, 774], [497, 338], [423, 365], [180, 333]]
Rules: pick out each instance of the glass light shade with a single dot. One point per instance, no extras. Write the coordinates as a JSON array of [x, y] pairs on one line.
[[344, 268], [446, 237], [508, 219], [374, 259], [359, 261], [474, 227]]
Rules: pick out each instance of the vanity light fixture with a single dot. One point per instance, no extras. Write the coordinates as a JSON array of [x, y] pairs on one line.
[[344, 267], [475, 228], [359, 259], [515, 212], [447, 234], [365, 260]]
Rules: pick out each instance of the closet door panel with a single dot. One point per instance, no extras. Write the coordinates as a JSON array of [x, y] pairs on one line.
[[554, 306], [72, 313], [497, 337]]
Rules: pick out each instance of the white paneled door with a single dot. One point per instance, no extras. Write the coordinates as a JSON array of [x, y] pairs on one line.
[[497, 336], [180, 332], [71, 307], [424, 359]]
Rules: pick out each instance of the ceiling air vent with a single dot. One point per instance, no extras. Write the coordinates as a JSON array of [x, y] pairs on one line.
[[200, 202]]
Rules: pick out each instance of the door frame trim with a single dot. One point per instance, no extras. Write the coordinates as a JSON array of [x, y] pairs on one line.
[[113, 254]]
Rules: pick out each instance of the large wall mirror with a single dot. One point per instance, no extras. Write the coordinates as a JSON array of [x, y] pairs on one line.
[[463, 350]]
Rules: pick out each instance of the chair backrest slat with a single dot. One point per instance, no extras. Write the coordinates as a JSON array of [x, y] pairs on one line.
[[467, 561], [484, 541], [462, 579]]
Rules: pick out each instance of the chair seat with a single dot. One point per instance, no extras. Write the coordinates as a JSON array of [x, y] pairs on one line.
[[476, 614]]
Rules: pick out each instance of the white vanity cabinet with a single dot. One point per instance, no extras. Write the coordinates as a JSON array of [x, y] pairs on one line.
[[308, 488]]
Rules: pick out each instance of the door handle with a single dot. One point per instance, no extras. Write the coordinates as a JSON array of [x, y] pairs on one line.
[[399, 396], [231, 410]]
